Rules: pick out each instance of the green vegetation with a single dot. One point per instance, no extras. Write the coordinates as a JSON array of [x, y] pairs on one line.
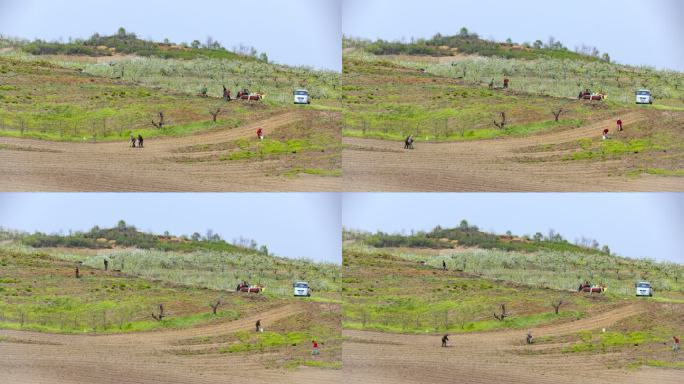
[[197, 261], [535, 261], [286, 342], [470, 43], [388, 293], [125, 43], [386, 100], [39, 292], [63, 95], [309, 145]]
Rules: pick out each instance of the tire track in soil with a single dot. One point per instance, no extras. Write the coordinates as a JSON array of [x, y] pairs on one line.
[[489, 357], [143, 358], [113, 166], [489, 165]]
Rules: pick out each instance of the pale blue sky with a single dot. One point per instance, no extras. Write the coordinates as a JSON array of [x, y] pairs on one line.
[[638, 32], [296, 32], [632, 224], [289, 224]]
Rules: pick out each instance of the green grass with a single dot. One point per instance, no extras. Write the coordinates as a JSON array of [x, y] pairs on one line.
[[658, 172], [264, 341], [518, 322], [605, 341], [40, 292], [664, 364], [270, 147], [613, 148]]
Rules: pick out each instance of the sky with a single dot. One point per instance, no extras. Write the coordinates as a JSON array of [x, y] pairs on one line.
[[296, 32], [632, 224], [290, 224], [635, 32]]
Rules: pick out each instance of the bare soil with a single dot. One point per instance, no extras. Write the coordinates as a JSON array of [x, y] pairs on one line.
[[492, 165]]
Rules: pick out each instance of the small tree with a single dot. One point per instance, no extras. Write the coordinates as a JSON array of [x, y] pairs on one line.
[[160, 123], [502, 124], [214, 306], [556, 304], [214, 114], [121, 32], [557, 113], [160, 316], [503, 315]]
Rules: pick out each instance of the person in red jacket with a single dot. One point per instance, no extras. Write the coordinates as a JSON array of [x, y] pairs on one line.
[[675, 346], [260, 134], [605, 133], [619, 125], [314, 351]]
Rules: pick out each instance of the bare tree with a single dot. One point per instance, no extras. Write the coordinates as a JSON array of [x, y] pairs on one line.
[[214, 306], [160, 123], [502, 124], [556, 304], [503, 315], [214, 114], [161, 314], [557, 113]]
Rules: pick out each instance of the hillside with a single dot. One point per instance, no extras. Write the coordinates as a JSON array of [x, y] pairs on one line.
[[190, 260], [108, 87], [546, 262], [470, 43]]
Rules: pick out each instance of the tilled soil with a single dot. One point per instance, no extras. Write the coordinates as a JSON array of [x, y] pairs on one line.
[[491, 357], [37, 165], [491, 166], [141, 358]]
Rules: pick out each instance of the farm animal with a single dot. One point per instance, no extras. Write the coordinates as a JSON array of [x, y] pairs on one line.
[[586, 287]]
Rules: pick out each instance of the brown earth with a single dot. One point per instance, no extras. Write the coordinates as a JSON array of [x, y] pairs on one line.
[[114, 166], [141, 358], [491, 357], [491, 165]]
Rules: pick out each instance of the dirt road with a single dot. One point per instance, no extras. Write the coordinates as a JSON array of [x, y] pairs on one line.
[[490, 165], [36, 165], [492, 357], [141, 358]]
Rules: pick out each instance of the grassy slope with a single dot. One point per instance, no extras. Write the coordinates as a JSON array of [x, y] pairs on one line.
[[62, 96], [386, 293], [51, 102], [40, 292], [388, 100]]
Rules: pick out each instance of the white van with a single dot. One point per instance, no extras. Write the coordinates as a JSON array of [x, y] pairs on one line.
[[301, 288], [301, 96], [643, 96], [643, 288]]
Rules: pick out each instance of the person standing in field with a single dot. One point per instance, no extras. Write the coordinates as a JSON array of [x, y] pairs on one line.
[[445, 338], [258, 325], [314, 344], [140, 141], [132, 141], [675, 345], [619, 125], [444, 265], [106, 264], [260, 134]]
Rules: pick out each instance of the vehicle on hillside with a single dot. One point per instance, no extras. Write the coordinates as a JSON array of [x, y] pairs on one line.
[[301, 289], [644, 288], [644, 96], [301, 96]]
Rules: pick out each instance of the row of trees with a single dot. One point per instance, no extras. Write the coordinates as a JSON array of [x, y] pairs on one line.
[[471, 43], [469, 235], [129, 43], [124, 235]]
